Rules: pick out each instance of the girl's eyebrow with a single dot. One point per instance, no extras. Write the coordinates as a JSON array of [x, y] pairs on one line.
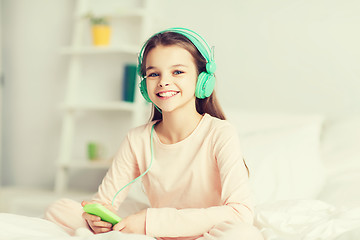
[[173, 66], [178, 65], [149, 68]]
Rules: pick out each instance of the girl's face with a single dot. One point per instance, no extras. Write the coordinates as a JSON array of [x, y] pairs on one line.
[[171, 77]]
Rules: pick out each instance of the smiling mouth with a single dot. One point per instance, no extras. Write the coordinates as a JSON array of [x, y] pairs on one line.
[[167, 94]]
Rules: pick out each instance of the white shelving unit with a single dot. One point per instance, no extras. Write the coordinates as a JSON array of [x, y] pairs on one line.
[[72, 105]]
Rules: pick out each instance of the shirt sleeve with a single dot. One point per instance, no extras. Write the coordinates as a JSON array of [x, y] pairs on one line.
[[124, 169], [236, 196]]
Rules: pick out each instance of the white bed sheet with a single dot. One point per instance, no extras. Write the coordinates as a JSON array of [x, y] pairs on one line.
[[280, 220], [15, 227], [306, 220]]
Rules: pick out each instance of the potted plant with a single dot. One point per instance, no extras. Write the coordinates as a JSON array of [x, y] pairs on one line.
[[100, 28]]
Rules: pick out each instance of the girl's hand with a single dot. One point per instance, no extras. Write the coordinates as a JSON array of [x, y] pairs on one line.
[[132, 224], [95, 223]]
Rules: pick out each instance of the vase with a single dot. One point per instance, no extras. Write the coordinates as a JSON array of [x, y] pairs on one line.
[[101, 35]]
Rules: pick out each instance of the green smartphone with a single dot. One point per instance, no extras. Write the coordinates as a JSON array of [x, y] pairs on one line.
[[101, 211]]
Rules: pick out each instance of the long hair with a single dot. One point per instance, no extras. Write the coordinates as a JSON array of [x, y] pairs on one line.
[[209, 105]]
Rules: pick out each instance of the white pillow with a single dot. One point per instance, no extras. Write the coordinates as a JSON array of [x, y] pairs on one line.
[[282, 153], [341, 144], [255, 122], [341, 157]]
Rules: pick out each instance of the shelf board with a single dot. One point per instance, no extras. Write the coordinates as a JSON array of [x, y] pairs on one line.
[[90, 50], [119, 13], [128, 12], [105, 106], [87, 164]]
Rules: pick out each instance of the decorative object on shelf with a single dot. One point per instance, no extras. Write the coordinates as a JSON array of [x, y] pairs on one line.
[[95, 151], [129, 82], [100, 28]]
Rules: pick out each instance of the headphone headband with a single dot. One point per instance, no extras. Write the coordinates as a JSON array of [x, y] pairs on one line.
[[199, 42]]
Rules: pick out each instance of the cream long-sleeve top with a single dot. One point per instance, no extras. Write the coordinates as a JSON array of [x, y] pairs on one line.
[[192, 185]]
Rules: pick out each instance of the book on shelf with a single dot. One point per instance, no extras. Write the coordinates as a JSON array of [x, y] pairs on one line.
[[129, 82]]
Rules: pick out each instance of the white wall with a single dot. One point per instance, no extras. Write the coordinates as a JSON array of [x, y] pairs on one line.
[[280, 55], [34, 72]]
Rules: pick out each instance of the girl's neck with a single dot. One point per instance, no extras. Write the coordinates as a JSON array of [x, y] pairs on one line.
[[176, 126]]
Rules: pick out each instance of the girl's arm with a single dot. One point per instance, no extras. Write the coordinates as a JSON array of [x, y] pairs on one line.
[[236, 197], [123, 169]]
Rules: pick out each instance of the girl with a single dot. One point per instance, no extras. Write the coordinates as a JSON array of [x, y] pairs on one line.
[[188, 154]]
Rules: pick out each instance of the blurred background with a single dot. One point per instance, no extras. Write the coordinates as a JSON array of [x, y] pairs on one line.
[[280, 56]]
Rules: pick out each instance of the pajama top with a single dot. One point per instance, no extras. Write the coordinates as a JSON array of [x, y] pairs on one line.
[[192, 185]]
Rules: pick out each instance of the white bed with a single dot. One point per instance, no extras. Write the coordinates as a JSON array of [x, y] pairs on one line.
[[304, 171], [305, 174]]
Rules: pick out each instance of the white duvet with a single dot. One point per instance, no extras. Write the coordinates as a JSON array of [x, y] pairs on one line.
[[281, 220], [29, 228], [307, 220]]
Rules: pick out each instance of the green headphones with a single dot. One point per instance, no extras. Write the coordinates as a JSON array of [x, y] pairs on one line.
[[206, 80]]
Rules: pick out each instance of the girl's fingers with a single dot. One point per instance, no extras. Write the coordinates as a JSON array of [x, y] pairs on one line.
[[102, 224], [91, 217], [83, 203], [96, 221], [100, 229]]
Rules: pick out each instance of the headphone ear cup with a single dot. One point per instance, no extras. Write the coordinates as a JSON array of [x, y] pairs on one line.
[[205, 85], [143, 90]]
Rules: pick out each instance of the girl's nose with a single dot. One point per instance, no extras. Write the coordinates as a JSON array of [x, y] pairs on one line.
[[164, 81], [163, 84]]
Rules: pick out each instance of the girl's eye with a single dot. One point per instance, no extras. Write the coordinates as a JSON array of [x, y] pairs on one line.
[[177, 72], [153, 75]]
